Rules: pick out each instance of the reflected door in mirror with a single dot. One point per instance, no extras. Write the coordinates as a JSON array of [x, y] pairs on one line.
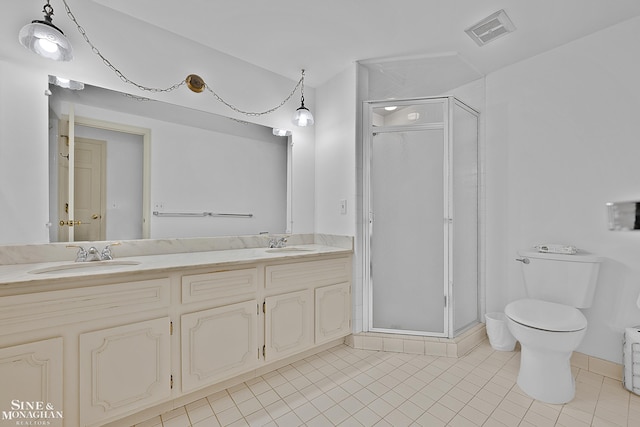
[[89, 192]]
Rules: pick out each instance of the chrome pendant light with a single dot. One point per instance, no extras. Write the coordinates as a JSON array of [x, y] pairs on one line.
[[302, 116], [45, 39]]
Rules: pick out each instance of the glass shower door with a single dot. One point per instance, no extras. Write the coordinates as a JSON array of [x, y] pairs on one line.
[[408, 275]]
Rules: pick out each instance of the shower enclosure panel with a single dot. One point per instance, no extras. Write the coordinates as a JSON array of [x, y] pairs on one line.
[[422, 201]]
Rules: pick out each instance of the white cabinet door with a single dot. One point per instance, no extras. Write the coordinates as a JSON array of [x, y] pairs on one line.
[[31, 373], [288, 324], [123, 369], [333, 312], [218, 343]]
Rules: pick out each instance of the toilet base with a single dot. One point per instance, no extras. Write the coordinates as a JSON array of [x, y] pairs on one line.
[[546, 375]]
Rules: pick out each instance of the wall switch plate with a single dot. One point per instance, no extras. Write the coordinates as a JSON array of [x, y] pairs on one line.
[[343, 207]]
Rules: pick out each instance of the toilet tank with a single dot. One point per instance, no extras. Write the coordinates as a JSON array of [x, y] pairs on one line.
[[560, 278]]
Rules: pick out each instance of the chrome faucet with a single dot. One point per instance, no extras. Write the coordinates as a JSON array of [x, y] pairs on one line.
[[81, 256], [92, 254], [277, 242], [106, 252]]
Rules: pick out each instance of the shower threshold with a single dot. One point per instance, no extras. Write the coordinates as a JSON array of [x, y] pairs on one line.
[[412, 344]]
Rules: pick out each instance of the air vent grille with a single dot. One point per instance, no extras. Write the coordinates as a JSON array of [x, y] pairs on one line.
[[491, 28]]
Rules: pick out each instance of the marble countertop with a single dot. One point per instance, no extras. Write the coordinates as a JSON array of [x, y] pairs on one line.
[[65, 270], [158, 256]]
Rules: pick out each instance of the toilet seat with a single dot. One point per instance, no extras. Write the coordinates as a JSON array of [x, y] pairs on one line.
[[546, 316]]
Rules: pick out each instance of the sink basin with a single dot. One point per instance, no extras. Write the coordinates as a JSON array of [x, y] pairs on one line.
[[290, 249], [92, 266]]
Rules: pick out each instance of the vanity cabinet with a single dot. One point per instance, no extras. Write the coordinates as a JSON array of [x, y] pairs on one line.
[[32, 372], [218, 343], [288, 324], [332, 312], [124, 368], [298, 300], [104, 348]]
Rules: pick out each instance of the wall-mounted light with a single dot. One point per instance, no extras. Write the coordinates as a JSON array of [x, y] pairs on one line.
[[66, 83], [45, 39], [302, 116], [281, 132]]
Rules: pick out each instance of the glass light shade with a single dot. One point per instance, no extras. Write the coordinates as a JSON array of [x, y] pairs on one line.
[[302, 117], [46, 40]]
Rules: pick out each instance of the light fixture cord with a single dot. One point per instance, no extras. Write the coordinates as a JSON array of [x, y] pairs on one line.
[[302, 89], [125, 79]]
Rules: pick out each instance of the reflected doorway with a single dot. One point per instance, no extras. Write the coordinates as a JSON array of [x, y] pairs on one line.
[[104, 166], [89, 191]]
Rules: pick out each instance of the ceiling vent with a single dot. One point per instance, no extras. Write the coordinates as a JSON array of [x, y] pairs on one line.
[[491, 28]]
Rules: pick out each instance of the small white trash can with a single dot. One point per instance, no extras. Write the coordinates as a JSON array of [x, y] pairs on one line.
[[499, 336]]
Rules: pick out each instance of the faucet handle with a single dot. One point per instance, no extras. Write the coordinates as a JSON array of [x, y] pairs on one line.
[[81, 256], [106, 253]]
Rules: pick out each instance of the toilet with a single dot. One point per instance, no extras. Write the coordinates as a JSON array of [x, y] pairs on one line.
[[548, 323]]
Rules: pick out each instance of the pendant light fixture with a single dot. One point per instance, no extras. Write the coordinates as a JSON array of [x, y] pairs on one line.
[[302, 116], [45, 39]]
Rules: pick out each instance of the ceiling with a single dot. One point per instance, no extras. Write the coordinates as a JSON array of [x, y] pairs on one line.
[[326, 36]]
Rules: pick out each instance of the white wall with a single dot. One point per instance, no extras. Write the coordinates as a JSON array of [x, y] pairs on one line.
[[150, 56], [336, 166], [336, 154], [562, 138], [24, 172]]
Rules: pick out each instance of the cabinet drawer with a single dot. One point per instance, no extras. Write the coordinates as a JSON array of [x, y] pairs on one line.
[[219, 284], [21, 312], [309, 274]]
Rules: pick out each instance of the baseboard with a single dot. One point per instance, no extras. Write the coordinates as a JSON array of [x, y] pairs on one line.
[[597, 366]]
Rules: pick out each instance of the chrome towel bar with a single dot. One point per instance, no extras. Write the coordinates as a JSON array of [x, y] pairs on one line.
[[200, 214]]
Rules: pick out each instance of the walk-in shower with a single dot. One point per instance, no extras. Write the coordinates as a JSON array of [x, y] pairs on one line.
[[421, 189]]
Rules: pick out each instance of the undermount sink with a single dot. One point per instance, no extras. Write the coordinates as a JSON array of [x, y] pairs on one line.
[[84, 266], [289, 249]]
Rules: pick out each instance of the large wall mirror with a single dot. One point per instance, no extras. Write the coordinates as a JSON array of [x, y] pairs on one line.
[[125, 167]]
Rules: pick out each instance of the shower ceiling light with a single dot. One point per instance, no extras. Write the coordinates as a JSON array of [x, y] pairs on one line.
[[45, 39]]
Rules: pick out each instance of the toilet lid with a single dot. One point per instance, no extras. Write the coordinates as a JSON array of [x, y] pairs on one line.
[[548, 316]]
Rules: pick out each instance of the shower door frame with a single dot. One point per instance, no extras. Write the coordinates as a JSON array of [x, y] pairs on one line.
[[368, 221]]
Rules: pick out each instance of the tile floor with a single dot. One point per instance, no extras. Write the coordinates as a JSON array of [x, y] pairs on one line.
[[348, 387]]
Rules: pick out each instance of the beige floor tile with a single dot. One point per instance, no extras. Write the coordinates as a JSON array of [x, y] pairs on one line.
[[199, 410], [441, 412], [209, 422], [565, 420], [398, 419], [367, 417], [346, 387], [429, 420]]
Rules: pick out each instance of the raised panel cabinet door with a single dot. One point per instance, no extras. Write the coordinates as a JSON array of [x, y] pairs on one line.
[[123, 369], [31, 373], [288, 324], [333, 312], [218, 343]]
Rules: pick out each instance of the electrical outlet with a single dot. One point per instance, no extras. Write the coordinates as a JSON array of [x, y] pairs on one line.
[[343, 207], [158, 206]]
